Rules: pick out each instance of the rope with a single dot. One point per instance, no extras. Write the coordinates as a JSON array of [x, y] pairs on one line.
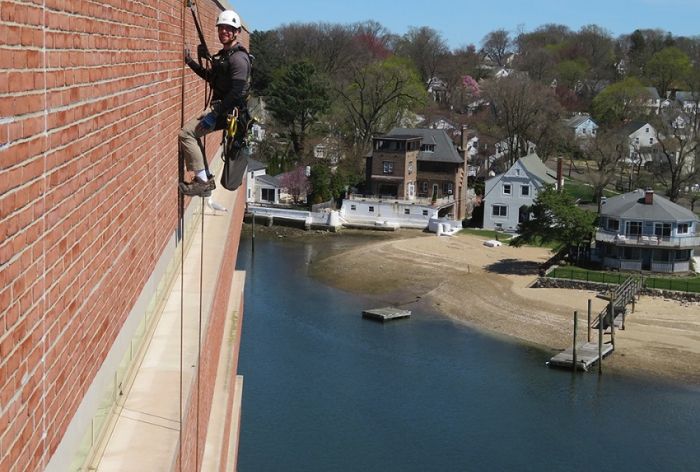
[[181, 226]]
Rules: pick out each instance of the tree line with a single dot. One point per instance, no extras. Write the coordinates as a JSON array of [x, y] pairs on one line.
[[342, 84]]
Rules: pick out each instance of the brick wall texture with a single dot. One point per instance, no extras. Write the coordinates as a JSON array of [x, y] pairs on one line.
[[90, 108]]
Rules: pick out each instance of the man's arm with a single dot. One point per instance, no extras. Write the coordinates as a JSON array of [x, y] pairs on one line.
[[196, 68]]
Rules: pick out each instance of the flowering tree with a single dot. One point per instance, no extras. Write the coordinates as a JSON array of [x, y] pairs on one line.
[[471, 86], [296, 183]]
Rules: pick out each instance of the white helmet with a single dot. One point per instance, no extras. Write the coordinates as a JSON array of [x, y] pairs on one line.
[[229, 17]]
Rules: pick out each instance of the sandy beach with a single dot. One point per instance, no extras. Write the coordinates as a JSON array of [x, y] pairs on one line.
[[488, 289]]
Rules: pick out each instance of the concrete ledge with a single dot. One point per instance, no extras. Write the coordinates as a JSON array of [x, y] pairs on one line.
[[145, 432]]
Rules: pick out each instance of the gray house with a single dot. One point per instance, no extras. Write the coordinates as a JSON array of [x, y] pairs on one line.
[[642, 231], [581, 126], [508, 196]]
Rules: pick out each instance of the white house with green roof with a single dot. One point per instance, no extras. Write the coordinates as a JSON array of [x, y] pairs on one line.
[[642, 231], [508, 196]]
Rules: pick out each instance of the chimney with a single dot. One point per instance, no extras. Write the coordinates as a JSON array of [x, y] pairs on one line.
[[560, 174], [648, 196]]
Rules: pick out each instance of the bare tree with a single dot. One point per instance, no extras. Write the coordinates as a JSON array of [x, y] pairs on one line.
[[497, 46], [606, 152], [425, 47], [522, 110], [677, 134]]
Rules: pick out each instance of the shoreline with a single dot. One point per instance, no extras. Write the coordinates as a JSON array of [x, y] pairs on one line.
[[487, 289]]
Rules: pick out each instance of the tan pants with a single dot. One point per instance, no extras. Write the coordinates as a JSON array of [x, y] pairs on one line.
[[190, 149]]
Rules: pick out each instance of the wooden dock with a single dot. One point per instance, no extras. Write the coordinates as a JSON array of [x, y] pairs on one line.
[[586, 356], [386, 314]]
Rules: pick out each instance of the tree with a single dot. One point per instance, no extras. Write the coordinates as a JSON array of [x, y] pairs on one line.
[[678, 147], [668, 67], [425, 47], [523, 110], [497, 46], [375, 98], [606, 152], [296, 183], [620, 101], [555, 219], [267, 60], [297, 96]]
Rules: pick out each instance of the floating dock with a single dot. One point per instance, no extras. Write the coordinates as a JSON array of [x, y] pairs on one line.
[[586, 356], [386, 314]]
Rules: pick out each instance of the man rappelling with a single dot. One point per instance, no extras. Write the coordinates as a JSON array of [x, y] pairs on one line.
[[229, 78]]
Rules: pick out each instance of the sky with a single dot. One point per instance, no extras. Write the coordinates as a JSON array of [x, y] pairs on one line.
[[466, 22]]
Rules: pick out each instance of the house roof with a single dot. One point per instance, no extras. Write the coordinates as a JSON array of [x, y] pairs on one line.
[[254, 165], [578, 120], [633, 126], [445, 150], [652, 93], [534, 165], [269, 180], [631, 206], [686, 97]]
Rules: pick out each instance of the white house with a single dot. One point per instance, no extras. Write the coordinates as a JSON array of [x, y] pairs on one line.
[[260, 187], [508, 196], [688, 101], [643, 139], [582, 126], [653, 101]]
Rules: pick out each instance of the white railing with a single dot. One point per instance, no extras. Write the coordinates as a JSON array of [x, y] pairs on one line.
[[647, 239], [388, 199]]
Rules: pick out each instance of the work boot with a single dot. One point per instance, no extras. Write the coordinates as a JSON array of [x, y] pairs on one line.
[[197, 188]]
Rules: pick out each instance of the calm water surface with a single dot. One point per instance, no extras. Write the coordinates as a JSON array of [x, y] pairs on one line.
[[325, 390]]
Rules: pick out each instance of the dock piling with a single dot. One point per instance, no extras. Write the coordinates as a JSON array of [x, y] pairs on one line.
[[574, 363]]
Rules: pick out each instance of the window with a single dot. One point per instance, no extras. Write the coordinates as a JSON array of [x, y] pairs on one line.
[[661, 256], [506, 189], [268, 194], [683, 255], [371, 209], [646, 130], [634, 228], [406, 211], [410, 167], [425, 212], [353, 207], [499, 210], [424, 187], [651, 140], [613, 224], [662, 230], [682, 228], [388, 167], [525, 190], [447, 188], [636, 140], [427, 147]]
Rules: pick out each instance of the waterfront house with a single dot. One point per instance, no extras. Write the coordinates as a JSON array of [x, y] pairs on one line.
[[508, 196], [260, 187], [643, 231], [419, 166]]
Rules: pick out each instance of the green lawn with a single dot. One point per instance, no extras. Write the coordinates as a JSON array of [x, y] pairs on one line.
[[582, 191], [682, 284]]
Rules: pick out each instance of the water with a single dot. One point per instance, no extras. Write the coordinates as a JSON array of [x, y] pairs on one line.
[[325, 390]]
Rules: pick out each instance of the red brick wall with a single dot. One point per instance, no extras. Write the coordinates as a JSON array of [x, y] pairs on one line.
[[90, 104]]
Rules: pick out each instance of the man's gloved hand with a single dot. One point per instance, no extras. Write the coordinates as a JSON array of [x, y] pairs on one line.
[[208, 122], [188, 56], [202, 51]]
